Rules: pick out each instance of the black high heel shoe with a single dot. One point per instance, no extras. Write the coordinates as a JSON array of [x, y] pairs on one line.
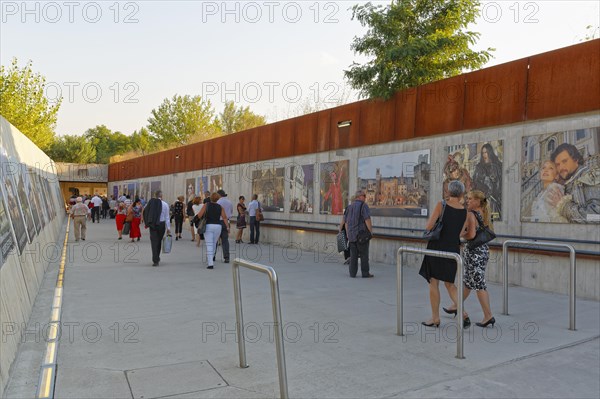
[[491, 321], [450, 311], [431, 324], [466, 322]]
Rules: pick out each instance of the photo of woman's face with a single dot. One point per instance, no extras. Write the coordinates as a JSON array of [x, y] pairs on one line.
[[548, 172]]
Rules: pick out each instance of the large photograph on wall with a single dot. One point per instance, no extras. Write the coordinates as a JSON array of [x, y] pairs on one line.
[[268, 184], [24, 203], [154, 187], [560, 177], [201, 185], [216, 183], [6, 238], [145, 193], [479, 167], [302, 191], [190, 189], [31, 198], [333, 187], [396, 184], [12, 201], [38, 193]]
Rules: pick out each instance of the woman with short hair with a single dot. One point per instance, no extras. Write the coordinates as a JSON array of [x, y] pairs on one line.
[[214, 212]]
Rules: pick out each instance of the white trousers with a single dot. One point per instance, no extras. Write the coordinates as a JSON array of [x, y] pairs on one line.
[[211, 237]]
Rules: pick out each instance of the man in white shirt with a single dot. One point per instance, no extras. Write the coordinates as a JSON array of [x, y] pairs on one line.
[[228, 208], [156, 217], [97, 201], [254, 224]]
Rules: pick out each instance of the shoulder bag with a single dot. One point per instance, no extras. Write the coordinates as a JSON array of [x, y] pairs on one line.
[[364, 235], [483, 235], [434, 233], [259, 215]]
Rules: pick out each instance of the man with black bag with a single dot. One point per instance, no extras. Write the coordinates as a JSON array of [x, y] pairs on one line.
[[357, 222], [156, 217]]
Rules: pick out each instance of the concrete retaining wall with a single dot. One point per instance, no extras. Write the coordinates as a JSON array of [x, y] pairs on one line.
[[529, 270], [22, 272]]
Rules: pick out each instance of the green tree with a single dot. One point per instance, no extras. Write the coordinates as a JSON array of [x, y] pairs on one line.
[[24, 104], [182, 118], [107, 143], [141, 141], [77, 149], [235, 119], [412, 42]]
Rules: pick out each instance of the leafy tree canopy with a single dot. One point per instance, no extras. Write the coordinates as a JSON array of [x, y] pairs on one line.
[[180, 119], [24, 104], [235, 119], [413, 42], [107, 143], [76, 149]]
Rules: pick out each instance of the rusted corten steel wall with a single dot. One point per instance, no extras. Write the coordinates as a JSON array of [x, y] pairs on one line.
[[552, 84]]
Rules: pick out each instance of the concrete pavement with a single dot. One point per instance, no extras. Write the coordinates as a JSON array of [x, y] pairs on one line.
[[131, 330]]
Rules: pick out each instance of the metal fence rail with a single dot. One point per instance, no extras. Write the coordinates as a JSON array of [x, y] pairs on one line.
[[542, 244], [400, 293], [278, 327]]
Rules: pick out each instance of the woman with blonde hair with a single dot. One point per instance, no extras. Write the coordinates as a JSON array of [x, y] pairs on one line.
[[476, 258]]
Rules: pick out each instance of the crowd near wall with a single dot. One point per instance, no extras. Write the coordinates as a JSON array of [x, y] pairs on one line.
[[403, 151], [32, 213]]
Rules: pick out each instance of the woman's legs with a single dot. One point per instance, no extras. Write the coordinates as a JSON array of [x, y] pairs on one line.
[[484, 301], [453, 293], [434, 300], [211, 236]]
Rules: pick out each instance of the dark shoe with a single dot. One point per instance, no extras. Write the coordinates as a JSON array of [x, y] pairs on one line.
[[83, 239], [369, 275], [466, 323], [120, 238], [433, 324], [491, 321], [347, 261], [176, 238], [450, 311], [138, 239], [210, 267], [226, 261], [155, 264]]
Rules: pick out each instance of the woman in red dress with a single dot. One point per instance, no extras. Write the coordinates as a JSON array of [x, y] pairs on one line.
[[120, 218], [136, 209], [335, 193]]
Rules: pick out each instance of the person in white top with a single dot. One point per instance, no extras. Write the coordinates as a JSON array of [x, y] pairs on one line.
[[97, 201], [228, 208], [254, 224], [196, 208]]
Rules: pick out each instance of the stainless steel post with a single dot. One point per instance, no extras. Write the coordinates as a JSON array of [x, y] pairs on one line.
[[400, 293], [542, 245], [278, 326]]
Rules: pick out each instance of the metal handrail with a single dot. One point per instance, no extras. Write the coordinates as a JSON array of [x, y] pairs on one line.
[[277, 325], [399, 291], [572, 275]]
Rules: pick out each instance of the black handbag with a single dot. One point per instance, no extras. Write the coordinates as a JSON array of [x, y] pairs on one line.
[[483, 235], [434, 233]]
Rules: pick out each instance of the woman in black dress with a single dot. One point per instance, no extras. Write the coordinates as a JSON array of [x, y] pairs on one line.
[[434, 269]]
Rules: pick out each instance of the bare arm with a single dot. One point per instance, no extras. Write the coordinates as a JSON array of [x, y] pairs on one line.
[[369, 225], [437, 211], [470, 227]]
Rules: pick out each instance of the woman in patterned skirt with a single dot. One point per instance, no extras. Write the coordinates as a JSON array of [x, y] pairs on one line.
[[476, 259]]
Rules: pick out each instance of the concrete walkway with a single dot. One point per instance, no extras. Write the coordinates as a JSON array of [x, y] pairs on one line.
[[131, 330]]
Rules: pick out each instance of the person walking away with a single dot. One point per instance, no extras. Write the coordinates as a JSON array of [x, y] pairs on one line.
[[228, 208], [136, 209], [156, 217], [214, 213], [189, 211], [197, 207], [358, 218], [435, 269], [254, 224], [178, 216], [476, 259], [79, 214], [121, 214]]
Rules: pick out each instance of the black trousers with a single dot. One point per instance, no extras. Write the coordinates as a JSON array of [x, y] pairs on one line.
[[95, 214], [156, 235], [178, 224], [359, 250], [225, 240]]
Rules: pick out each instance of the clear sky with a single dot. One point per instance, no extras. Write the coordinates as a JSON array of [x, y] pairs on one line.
[[113, 62]]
